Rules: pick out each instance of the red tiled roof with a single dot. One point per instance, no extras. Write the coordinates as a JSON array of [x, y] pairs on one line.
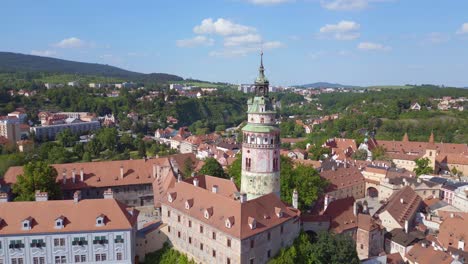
[[342, 177], [454, 229], [403, 211], [292, 140], [99, 174], [366, 222], [395, 258], [262, 209], [427, 255], [79, 217], [341, 215]]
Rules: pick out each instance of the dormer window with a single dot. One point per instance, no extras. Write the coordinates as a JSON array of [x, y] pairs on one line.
[[27, 223], [100, 220], [279, 212], [208, 212], [252, 223], [229, 222], [59, 222], [171, 197], [188, 204]]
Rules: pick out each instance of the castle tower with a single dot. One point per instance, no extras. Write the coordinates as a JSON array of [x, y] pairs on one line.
[[261, 143]]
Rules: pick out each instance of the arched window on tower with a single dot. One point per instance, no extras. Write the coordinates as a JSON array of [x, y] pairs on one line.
[[262, 120], [275, 164], [248, 163]]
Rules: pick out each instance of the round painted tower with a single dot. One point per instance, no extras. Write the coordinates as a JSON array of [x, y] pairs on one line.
[[261, 143]]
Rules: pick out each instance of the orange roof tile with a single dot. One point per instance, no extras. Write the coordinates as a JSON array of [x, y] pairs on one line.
[[224, 208], [454, 229], [403, 211], [427, 255], [341, 215], [79, 217], [99, 174], [342, 177]]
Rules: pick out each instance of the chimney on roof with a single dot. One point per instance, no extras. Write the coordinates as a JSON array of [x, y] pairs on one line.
[[232, 179], [355, 208], [121, 172], [41, 196], [424, 245], [243, 197], [402, 200], [406, 226], [73, 175], [64, 176], [82, 174], [77, 196], [452, 215], [179, 177], [195, 182], [214, 189], [108, 194], [3, 197], [333, 168], [295, 199], [155, 170]]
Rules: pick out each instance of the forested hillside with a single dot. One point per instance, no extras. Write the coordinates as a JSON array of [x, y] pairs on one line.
[[15, 62]]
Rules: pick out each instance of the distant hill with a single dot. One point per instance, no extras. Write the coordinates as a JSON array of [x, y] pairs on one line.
[[326, 85], [16, 62]]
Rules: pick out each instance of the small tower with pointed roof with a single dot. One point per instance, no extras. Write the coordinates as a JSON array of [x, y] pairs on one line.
[[261, 143]]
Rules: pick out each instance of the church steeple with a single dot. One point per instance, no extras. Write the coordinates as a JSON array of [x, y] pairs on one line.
[[261, 83]]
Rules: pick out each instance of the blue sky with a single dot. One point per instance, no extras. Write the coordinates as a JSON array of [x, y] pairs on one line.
[[359, 42]]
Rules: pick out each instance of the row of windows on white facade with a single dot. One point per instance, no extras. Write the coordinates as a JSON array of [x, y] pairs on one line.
[[254, 139], [100, 257]]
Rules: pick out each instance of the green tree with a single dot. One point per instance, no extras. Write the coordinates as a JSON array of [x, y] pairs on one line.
[[108, 138], [422, 167], [360, 154], [66, 138], [305, 179], [87, 157], [327, 248], [141, 149], [37, 175], [78, 149], [187, 168], [235, 170], [317, 152], [378, 153], [167, 255], [213, 168]]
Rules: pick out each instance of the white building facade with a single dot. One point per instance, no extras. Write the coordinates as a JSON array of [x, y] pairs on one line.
[[67, 231]]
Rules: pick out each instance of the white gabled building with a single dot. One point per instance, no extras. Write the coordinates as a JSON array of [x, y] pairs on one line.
[[67, 231]]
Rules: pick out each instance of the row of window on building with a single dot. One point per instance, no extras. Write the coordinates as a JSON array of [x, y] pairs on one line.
[[100, 257]]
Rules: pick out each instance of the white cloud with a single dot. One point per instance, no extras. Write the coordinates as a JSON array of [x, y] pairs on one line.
[[240, 51], [347, 5], [242, 40], [344, 30], [269, 45], [71, 43], [463, 29], [44, 53], [268, 2], [222, 27], [195, 41], [373, 46]]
